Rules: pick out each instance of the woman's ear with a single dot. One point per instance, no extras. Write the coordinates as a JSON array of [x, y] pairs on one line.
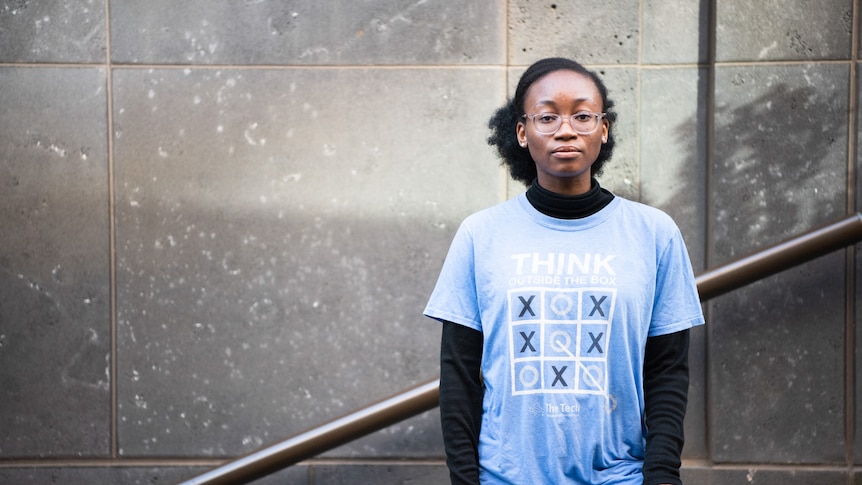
[[521, 133]]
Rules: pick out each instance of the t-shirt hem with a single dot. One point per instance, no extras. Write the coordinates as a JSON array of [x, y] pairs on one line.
[[451, 317], [676, 327]]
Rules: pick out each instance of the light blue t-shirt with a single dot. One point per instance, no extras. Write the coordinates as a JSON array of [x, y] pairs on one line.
[[565, 307]]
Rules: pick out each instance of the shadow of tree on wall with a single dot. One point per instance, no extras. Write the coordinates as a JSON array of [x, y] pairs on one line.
[[778, 162], [776, 345]]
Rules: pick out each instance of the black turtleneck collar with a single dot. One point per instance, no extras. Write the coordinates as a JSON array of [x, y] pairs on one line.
[[569, 206]]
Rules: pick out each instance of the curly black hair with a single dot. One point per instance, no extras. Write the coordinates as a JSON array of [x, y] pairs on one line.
[[504, 123]]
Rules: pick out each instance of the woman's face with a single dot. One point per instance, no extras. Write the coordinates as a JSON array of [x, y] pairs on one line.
[[563, 158]]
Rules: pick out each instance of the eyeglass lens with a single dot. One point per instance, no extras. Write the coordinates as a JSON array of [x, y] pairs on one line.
[[582, 123]]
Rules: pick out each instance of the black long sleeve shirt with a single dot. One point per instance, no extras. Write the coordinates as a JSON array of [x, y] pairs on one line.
[[665, 375]]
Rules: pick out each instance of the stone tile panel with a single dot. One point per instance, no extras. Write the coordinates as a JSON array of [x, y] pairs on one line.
[[425, 474], [780, 153], [675, 32], [60, 31], [777, 357], [621, 174], [673, 150], [591, 32], [131, 475], [278, 236], [308, 32], [55, 337], [858, 282], [779, 30], [760, 476]]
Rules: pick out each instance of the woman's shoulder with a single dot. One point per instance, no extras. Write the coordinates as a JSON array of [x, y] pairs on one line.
[[496, 212], [642, 209], [645, 214]]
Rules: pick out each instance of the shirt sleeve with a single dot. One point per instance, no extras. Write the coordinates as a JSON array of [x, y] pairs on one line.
[[665, 399], [455, 298], [676, 309], [677, 303], [461, 393]]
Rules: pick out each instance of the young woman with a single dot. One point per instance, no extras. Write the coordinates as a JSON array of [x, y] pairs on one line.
[[566, 310]]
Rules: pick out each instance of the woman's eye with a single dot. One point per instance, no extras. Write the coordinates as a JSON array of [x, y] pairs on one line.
[[583, 117], [547, 118]]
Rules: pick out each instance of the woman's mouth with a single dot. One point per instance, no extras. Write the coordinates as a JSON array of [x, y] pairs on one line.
[[565, 151]]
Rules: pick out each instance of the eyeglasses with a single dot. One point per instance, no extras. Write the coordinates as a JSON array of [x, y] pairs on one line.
[[583, 122]]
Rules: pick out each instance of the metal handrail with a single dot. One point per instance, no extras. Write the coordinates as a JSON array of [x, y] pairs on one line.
[[424, 397], [779, 257]]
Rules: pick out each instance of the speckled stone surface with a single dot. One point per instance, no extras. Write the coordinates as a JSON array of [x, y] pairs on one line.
[[858, 282], [339, 32], [431, 474], [673, 171], [777, 345], [765, 476], [55, 338], [591, 32], [277, 239], [135, 475], [673, 177], [777, 30], [780, 154], [778, 358], [621, 173], [57, 31], [675, 32]]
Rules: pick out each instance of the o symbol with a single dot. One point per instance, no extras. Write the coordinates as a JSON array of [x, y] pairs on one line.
[[593, 376], [529, 381], [568, 304], [561, 346]]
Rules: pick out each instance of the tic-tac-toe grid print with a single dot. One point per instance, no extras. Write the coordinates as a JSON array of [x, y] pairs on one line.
[[558, 339]]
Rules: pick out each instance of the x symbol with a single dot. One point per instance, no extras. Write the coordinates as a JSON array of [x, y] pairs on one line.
[[526, 304], [597, 305], [527, 339], [595, 344], [559, 374]]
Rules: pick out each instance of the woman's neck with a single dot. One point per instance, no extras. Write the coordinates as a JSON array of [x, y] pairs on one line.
[[569, 206]]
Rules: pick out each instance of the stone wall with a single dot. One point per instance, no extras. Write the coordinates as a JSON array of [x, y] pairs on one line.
[[221, 220]]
